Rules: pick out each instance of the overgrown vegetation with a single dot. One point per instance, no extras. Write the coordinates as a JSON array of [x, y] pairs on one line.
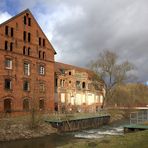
[[129, 95]]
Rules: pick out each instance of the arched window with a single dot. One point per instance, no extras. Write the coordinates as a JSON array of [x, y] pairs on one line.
[[41, 104], [26, 105], [7, 105]]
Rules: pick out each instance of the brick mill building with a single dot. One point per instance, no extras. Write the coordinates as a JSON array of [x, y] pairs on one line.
[[31, 79], [27, 65], [75, 89]]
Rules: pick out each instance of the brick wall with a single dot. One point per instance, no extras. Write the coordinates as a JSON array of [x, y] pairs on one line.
[[18, 57]]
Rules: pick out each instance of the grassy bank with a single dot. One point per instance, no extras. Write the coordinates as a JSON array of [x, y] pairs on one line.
[[131, 140], [23, 127]]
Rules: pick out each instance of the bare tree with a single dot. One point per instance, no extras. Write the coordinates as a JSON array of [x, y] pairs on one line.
[[108, 68]]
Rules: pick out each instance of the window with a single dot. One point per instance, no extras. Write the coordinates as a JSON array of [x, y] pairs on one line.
[[83, 85], [6, 30], [29, 21], [26, 105], [26, 86], [41, 70], [8, 84], [8, 105], [26, 69], [24, 50], [70, 73], [29, 37], [62, 83], [11, 46], [39, 54], [29, 51], [40, 41], [11, 32], [8, 64], [6, 45], [56, 82], [42, 87], [24, 36], [25, 20], [41, 104], [44, 55], [78, 84], [43, 42]]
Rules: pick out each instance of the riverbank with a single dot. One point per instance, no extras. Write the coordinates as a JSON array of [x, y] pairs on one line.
[[131, 140], [15, 128]]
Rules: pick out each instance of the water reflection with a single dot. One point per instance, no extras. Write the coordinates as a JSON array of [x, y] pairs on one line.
[[51, 141]]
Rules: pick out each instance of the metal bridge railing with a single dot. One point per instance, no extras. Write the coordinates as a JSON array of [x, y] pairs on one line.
[[139, 117]]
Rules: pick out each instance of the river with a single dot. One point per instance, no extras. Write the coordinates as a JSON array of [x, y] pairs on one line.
[[56, 140]]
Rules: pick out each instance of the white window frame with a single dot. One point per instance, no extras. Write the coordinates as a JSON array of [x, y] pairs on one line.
[[27, 69], [42, 70], [8, 63]]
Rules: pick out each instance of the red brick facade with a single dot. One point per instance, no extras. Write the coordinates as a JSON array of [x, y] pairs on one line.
[[26, 65]]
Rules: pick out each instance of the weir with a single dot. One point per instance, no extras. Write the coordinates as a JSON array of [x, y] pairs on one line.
[[68, 125]]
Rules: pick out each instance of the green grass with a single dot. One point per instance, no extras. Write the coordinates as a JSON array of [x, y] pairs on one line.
[[131, 140]]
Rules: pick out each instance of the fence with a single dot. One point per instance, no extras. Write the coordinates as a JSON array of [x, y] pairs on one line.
[[139, 117]]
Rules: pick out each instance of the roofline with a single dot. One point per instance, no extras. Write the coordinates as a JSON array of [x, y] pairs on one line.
[[74, 66], [27, 10]]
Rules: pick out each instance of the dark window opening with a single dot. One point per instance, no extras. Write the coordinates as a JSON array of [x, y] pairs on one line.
[[6, 45], [6, 30], [69, 82], [70, 73], [26, 86], [8, 84], [83, 85], [56, 82], [41, 104], [43, 55], [40, 41], [39, 54], [24, 48], [11, 46], [11, 32], [29, 21], [25, 20], [26, 105], [24, 35], [7, 105], [29, 37], [43, 42], [29, 51]]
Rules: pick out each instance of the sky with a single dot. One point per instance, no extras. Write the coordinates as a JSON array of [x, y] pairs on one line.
[[81, 29]]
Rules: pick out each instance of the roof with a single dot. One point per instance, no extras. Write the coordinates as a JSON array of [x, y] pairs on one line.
[[61, 66], [27, 11]]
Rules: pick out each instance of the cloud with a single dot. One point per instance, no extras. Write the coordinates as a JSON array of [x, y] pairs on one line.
[[4, 16], [80, 30]]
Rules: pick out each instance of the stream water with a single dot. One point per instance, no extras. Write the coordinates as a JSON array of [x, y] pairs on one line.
[[56, 140]]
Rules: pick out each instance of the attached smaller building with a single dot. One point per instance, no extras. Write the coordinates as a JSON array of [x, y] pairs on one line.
[[75, 90]]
